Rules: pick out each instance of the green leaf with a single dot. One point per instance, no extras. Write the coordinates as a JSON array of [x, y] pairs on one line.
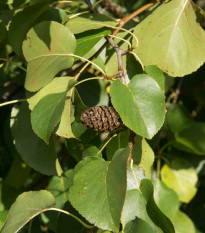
[[58, 187], [166, 38], [178, 118], [34, 151], [156, 74], [92, 151], [46, 48], [87, 40], [182, 223], [181, 177], [140, 203], [87, 22], [46, 115], [134, 177], [166, 199], [192, 138], [52, 14], [64, 129], [143, 155], [3, 216], [140, 104], [26, 207], [139, 225], [57, 85], [118, 142], [21, 23], [18, 174], [98, 184]]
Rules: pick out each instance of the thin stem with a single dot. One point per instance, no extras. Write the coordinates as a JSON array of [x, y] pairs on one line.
[[6, 60], [131, 16], [163, 158], [78, 219], [81, 71], [125, 30], [96, 4], [119, 52], [123, 222], [126, 41], [103, 147], [12, 102], [164, 147], [133, 172], [76, 15], [177, 91], [73, 55], [88, 79], [158, 168], [138, 59], [68, 1]]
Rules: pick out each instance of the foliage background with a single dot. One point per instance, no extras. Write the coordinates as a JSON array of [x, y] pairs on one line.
[[179, 147]]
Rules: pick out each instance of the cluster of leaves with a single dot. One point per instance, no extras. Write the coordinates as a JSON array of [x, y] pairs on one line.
[[146, 176]]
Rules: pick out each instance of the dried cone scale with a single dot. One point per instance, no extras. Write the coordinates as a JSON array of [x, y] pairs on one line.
[[101, 118]]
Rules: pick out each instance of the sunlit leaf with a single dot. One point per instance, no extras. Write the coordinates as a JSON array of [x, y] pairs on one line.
[[87, 22], [182, 223], [181, 177], [166, 38], [143, 155], [45, 48], [166, 198], [47, 114]]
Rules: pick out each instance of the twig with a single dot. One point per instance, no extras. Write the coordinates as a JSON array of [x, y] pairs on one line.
[[131, 16], [131, 144], [177, 91], [8, 60], [120, 53], [12, 102]]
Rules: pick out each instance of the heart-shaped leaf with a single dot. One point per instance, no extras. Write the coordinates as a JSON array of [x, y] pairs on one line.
[[99, 188], [46, 48], [166, 38], [140, 104]]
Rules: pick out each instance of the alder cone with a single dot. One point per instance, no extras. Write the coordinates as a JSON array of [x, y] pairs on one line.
[[101, 118]]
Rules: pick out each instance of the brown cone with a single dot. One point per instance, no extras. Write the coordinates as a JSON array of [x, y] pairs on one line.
[[100, 118]]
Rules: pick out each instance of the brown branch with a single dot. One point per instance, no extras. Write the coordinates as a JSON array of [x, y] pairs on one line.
[[120, 53], [131, 16], [131, 144]]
